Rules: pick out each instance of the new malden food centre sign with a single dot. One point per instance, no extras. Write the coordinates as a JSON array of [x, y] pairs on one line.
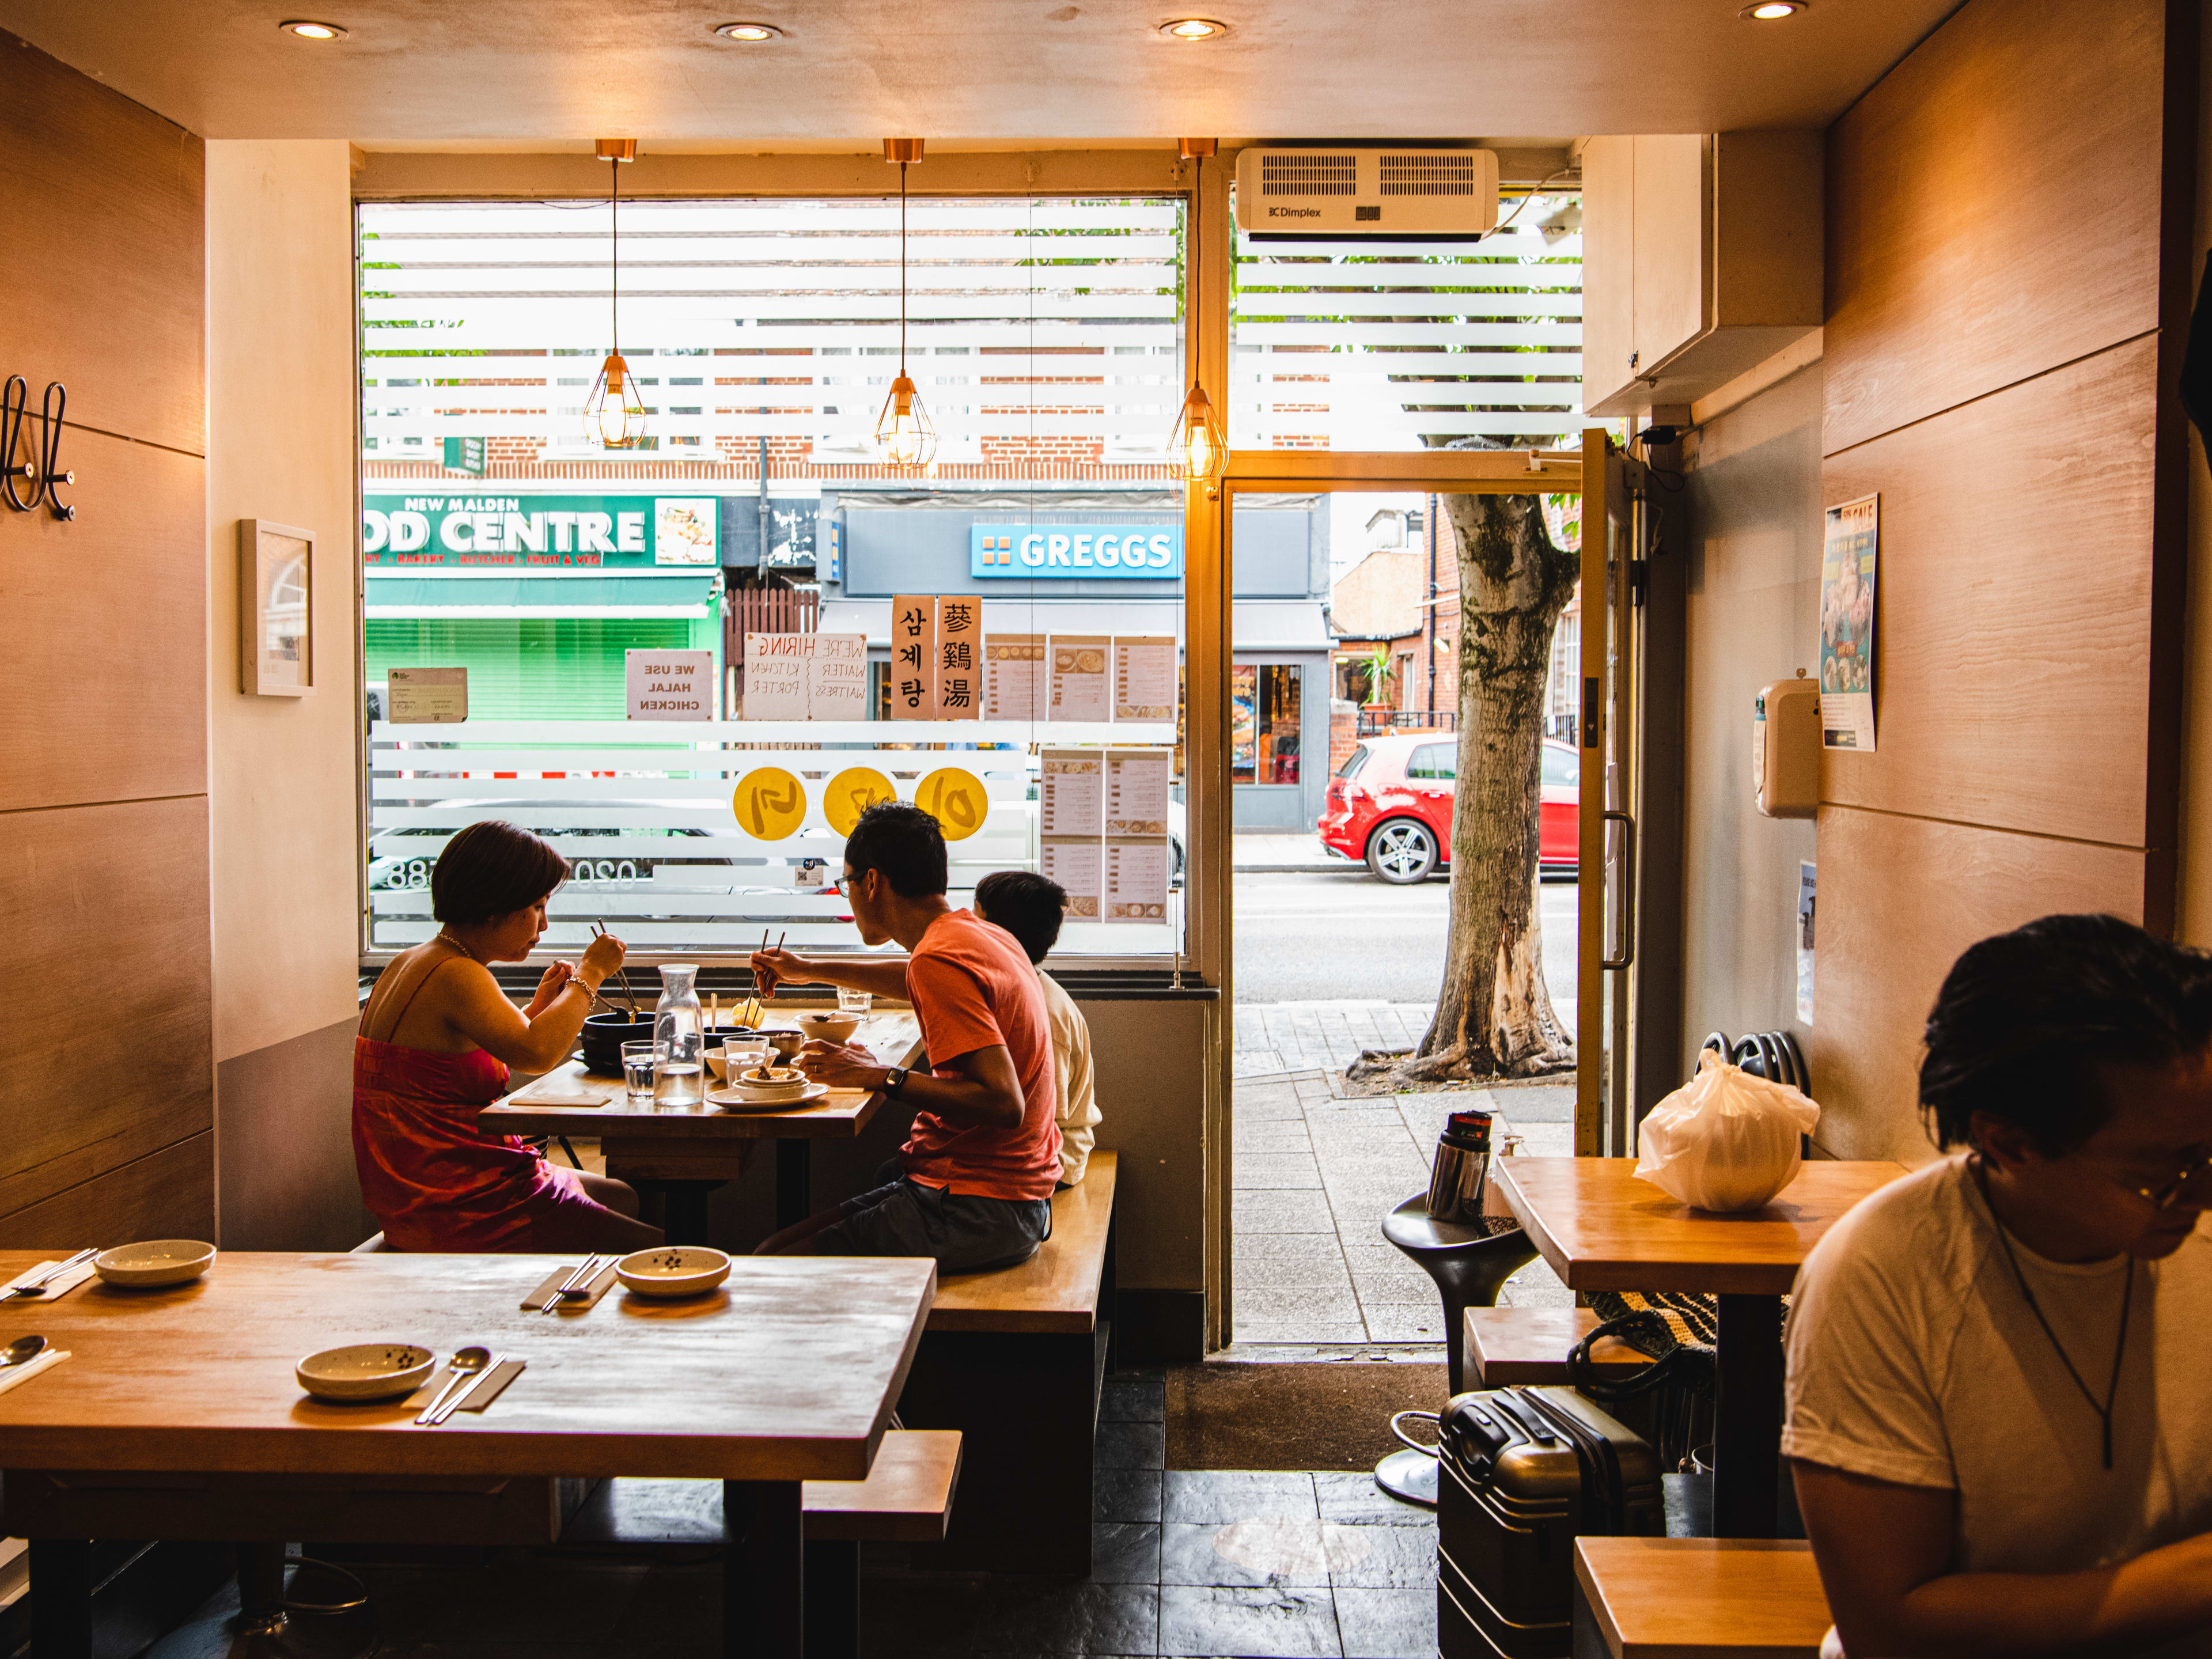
[[538, 532]]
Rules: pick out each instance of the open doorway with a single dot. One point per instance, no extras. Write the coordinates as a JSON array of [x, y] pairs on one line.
[[1341, 907]]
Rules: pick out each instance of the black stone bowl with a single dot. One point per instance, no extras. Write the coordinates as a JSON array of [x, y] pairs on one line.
[[605, 1035]]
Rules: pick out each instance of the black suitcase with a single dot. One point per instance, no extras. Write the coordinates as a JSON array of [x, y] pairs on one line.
[[1522, 1473]]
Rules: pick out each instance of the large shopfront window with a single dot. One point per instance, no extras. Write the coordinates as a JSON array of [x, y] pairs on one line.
[[1265, 722], [999, 639]]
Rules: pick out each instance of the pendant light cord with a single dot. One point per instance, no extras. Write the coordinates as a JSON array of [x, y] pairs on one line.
[[614, 226], [2119, 1348], [1197, 232], [902, 269]]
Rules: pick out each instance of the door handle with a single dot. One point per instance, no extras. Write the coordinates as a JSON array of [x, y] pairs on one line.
[[1627, 892]]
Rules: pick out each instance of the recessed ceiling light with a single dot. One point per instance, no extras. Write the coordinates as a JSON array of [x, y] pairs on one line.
[[1767, 11], [310, 31], [748, 31], [1194, 28]]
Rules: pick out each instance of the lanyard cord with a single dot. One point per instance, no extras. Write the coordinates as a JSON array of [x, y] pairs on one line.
[[2119, 1348]]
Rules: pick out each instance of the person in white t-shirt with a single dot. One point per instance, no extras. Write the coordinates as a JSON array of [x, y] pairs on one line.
[[1030, 907], [2000, 1367]]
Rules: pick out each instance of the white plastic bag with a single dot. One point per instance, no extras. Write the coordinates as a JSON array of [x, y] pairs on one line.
[[1725, 1139]]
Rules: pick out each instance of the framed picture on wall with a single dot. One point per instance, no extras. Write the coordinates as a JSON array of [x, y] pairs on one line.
[[275, 609]]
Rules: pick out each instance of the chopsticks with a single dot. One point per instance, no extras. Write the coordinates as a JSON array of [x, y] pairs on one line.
[[600, 929], [577, 1281], [38, 1285]]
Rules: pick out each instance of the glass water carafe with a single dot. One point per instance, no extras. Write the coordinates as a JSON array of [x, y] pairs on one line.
[[679, 1064]]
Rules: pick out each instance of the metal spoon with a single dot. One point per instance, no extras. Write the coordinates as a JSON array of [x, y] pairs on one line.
[[467, 1363], [23, 1351]]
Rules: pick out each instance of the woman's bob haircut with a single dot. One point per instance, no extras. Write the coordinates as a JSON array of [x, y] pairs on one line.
[[493, 869]]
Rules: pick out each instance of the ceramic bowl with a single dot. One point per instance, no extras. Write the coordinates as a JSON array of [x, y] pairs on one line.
[[756, 1092], [785, 1040], [673, 1270], [368, 1370], [155, 1261], [750, 1053], [830, 1027]]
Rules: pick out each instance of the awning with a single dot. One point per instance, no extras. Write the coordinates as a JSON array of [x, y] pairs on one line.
[[599, 597]]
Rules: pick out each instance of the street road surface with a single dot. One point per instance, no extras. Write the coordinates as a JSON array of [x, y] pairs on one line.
[[1308, 937]]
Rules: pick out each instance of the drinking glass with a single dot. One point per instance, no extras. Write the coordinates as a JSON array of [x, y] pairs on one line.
[[638, 1069], [852, 1002]]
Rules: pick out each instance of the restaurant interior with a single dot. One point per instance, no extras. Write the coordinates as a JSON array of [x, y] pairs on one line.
[[1935, 256]]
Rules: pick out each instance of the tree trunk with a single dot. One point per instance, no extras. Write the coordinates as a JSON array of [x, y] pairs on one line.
[[1493, 1012]]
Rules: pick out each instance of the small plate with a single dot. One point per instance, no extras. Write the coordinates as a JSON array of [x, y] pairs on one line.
[[730, 1100], [155, 1261], [673, 1270], [366, 1371]]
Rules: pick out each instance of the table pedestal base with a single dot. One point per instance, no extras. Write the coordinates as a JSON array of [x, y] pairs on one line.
[[1748, 1417], [1409, 1475]]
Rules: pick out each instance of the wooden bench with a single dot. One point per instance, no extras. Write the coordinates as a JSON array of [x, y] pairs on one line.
[[906, 1498], [1505, 1346], [1692, 1598], [1015, 1360]]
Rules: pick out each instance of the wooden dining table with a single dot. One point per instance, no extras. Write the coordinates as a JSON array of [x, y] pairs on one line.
[[178, 1410], [1601, 1227], [683, 1154]]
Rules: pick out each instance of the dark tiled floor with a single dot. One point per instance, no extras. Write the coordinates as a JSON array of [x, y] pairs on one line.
[[1184, 1563]]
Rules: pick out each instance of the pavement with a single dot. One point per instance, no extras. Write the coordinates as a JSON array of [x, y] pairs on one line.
[[1284, 853], [1314, 1175]]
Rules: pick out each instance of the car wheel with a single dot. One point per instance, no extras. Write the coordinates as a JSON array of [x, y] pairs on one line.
[[1402, 852]]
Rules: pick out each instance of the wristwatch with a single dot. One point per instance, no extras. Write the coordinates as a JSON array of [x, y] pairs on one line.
[[894, 1080]]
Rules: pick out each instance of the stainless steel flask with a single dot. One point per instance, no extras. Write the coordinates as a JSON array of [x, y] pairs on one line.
[[1462, 1166]]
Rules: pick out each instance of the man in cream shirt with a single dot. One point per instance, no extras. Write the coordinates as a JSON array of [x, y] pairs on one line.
[[2000, 1367], [1030, 907]]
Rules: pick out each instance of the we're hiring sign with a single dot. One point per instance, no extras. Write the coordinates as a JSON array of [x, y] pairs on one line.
[[1143, 552]]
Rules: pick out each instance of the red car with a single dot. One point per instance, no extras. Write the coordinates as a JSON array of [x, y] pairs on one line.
[[1391, 803]]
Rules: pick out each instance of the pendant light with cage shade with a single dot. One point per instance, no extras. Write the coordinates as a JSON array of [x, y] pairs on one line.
[[905, 436], [614, 415], [1198, 449]]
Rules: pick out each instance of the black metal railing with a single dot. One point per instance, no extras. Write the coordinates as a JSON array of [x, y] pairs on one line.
[[1375, 722]]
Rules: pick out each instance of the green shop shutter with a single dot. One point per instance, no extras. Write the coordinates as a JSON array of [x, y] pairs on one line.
[[557, 668]]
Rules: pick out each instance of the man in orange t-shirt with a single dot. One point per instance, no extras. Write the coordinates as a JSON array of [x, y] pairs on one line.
[[973, 1185]]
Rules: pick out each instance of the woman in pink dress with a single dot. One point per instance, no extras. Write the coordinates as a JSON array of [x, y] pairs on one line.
[[435, 1044]]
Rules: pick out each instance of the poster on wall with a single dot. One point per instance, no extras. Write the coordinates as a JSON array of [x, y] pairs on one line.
[[1014, 677], [669, 685], [914, 657], [426, 697], [1848, 554], [1137, 880], [1805, 887], [959, 659], [806, 677], [1145, 679], [1071, 791], [1079, 867], [1137, 791], [1081, 689]]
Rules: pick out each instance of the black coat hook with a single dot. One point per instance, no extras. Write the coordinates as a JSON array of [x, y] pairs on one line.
[[43, 470], [51, 477], [14, 395]]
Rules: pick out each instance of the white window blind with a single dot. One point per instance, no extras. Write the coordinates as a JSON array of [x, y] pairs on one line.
[[1379, 345], [1036, 329]]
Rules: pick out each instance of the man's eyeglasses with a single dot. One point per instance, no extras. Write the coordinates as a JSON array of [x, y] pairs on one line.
[[2193, 1181]]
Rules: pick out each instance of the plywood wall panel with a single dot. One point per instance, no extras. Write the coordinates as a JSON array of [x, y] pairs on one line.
[[105, 912], [168, 1194], [1993, 208], [103, 682], [1900, 897], [2014, 641], [103, 264]]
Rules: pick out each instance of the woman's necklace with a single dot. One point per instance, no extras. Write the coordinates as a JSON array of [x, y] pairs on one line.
[[444, 938], [2119, 1349]]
